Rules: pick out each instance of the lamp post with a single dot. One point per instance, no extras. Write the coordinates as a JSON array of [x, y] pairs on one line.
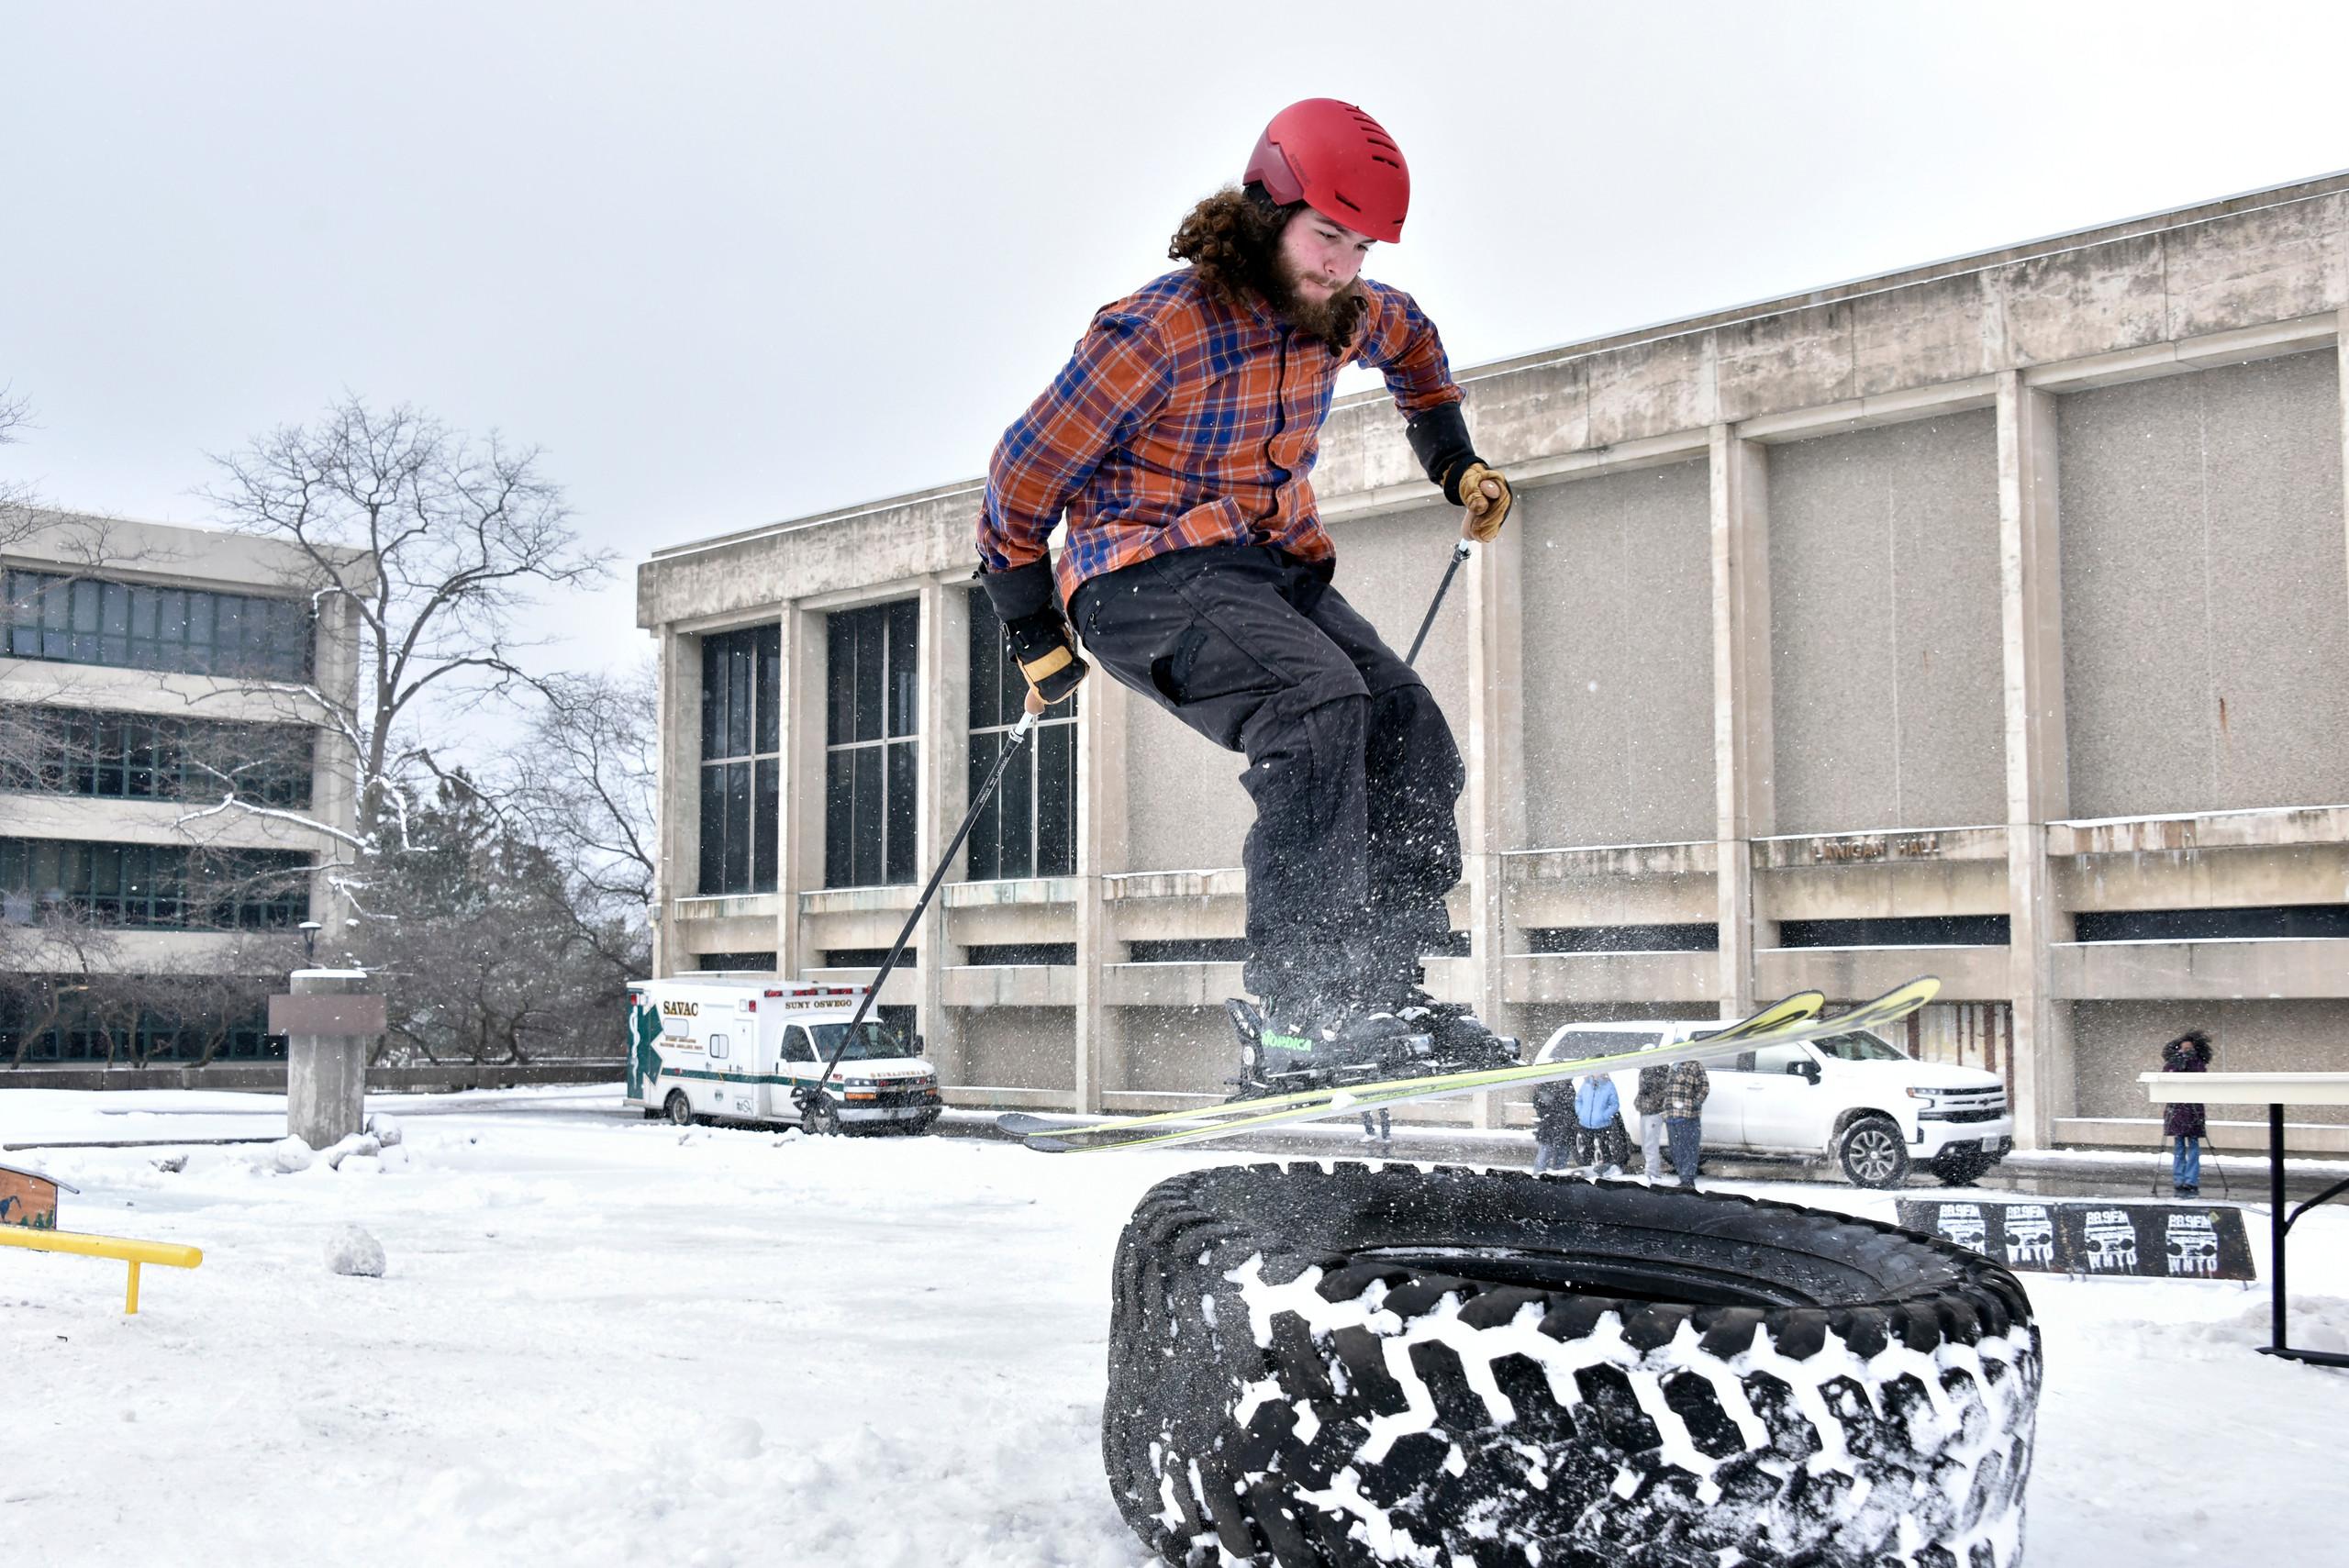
[[309, 930]]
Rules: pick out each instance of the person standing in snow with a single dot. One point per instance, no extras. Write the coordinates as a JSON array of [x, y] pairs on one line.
[[1554, 1124], [1647, 1098], [2184, 1124], [1178, 443], [1600, 1143], [1686, 1084]]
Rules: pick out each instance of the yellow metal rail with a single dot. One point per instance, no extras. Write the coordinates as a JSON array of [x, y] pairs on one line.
[[134, 1252]]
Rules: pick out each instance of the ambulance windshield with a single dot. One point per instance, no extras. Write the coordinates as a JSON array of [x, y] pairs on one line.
[[873, 1042]]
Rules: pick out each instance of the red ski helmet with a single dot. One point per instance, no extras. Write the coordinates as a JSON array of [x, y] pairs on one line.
[[1337, 161]]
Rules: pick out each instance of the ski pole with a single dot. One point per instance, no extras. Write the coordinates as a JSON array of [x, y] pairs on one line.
[[806, 1097], [1459, 554]]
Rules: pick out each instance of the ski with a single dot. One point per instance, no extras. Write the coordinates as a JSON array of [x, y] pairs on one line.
[[1795, 1018], [1024, 1124]]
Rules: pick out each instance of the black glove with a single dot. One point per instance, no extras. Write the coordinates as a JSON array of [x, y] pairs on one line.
[[1026, 603]]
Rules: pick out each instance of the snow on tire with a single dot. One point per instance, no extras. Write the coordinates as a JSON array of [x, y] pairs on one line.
[[1327, 1366]]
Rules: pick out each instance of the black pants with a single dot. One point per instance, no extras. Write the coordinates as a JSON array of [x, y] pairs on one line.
[[1349, 762]]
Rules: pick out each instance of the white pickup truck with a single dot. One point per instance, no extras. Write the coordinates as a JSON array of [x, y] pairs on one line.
[[1853, 1098]]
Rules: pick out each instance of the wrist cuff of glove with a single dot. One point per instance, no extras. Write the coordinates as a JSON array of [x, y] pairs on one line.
[[1459, 471], [1047, 658], [1439, 441], [1022, 592]]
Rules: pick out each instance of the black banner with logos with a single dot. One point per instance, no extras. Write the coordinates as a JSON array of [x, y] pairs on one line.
[[2137, 1241]]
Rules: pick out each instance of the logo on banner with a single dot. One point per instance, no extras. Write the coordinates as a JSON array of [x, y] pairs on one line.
[[2100, 1241], [2193, 1246], [2111, 1243], [2030, 1236]]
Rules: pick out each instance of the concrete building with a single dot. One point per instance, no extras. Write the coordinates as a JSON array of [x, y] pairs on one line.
[[1989, 618], [148, 674]]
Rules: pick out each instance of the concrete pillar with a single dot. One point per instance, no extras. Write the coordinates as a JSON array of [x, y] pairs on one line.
[[1743, 739], [677, 669], [800, 867], [943, 794], [2037, 784], [788, 719], [326, 1054], [1493, 750], [2341, 347], [1100, 1063]]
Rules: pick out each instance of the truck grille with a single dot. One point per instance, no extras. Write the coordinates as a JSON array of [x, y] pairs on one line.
[[1962, 1105]]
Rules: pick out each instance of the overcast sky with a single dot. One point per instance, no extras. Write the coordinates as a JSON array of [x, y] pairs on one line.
[[729, 264]]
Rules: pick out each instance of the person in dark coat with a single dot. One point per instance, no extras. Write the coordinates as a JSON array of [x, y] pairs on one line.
[[1554, 1124], [2184, 1123], [1648, 1100]]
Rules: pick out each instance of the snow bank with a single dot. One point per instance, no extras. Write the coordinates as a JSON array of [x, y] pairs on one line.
[[350, 1251]]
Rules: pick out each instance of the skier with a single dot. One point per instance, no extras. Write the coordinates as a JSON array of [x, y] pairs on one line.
[[1179, 441]]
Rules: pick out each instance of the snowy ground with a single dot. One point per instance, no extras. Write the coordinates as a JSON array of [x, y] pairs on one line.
[[602, 1341]]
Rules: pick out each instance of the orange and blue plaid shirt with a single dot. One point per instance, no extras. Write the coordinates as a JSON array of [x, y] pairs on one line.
[[1182, 420]]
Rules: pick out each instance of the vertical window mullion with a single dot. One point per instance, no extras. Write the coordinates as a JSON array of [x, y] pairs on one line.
[[869, 823]]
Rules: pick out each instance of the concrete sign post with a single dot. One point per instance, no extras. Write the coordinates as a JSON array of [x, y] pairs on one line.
[[329, 1022]]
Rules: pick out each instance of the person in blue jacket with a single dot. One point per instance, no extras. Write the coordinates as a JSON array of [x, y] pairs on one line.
[[1600, 1143]]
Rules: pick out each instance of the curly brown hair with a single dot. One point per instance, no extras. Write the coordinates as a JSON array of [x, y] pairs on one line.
[[1232, 240]]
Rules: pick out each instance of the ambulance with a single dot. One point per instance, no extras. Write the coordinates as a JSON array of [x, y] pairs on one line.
[[732, 1047]]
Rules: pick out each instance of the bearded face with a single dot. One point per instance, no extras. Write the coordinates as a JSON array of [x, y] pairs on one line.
[[1304, 299], [1302, 265]]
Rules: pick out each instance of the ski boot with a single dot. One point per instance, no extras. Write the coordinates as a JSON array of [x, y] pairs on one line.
[[1459, 1040], [1308, 1045]]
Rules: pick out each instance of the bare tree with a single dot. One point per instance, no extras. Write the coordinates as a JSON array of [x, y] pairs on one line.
[[585, 784], [51, 958], [17, 506], [432, 541]]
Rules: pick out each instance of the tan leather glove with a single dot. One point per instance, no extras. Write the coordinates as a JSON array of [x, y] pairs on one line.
[[1486, 496]]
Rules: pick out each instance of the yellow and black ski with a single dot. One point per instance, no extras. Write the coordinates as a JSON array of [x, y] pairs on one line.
[[1795, 1018]]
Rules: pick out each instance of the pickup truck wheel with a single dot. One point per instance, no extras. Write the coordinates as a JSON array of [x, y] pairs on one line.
[[1872, 1155], [680, 1109], [1375, 1364]]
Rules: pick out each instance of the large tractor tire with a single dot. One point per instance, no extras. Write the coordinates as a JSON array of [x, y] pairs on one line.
[[1328, 1367]]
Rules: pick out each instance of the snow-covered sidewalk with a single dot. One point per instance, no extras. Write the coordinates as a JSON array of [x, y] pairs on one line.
[[603, 1342]]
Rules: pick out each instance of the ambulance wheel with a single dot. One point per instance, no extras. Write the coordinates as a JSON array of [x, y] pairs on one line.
[[1349, 1366], [820, 1122], [680, 1109]]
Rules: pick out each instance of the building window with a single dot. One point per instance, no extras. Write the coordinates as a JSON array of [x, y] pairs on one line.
[[722, 963], [48, 1019], [741, 759], [1030, 828], [137, 756], [154, 886], [871, 756], [82, 620]]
